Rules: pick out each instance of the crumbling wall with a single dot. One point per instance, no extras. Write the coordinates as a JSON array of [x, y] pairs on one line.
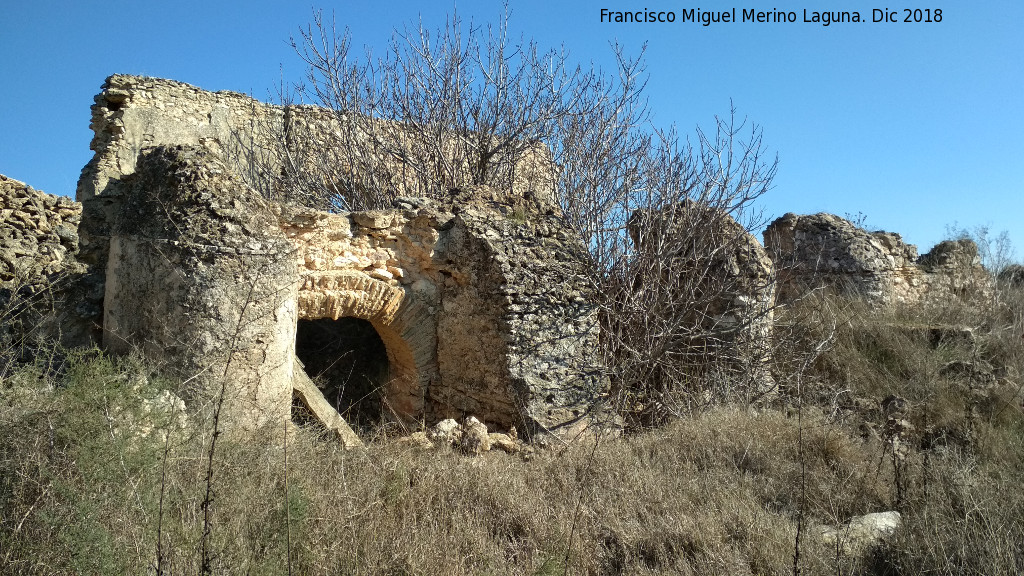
[[716, 271], [202, 281], [38, 234], [518, 321], [38, 267], [483, 313], [480, 313], [256, 139], [827, 250]]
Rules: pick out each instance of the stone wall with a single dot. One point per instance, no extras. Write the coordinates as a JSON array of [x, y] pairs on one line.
[[38, 266], [481, 312], [714, 268], [200, 280], [827, 250], [38, 234], [258, 139]]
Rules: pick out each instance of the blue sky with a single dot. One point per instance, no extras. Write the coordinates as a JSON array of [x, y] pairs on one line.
[[915, 125]]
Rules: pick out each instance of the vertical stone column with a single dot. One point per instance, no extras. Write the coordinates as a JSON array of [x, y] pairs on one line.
[[201, 280]]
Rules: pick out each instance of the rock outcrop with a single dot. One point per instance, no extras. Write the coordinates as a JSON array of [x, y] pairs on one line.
[[862, 533], [827, 250]]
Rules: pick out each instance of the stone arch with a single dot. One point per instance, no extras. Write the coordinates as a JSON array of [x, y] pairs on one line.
[[403, 324]]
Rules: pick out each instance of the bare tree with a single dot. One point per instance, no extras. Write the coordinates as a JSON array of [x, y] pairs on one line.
[[468, 104], [462, 105]]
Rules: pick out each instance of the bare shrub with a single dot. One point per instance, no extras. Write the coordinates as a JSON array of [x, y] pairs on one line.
[[467, 104]]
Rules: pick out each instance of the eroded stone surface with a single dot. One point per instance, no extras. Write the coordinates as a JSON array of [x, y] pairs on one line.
[[38, 234], [135, 112], [827, 250], [733, 274], [479, 313], [39, 266], [201, 280]]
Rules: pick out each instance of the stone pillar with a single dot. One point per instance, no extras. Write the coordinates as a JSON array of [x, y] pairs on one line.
[[201, 279]]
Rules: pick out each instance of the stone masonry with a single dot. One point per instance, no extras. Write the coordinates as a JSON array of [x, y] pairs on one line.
[[726, 268], [480, 313], [827, 250], [38, 244], [474, 303], [39, 235]]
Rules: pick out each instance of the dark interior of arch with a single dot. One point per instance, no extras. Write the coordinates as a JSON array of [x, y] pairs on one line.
[[348, 361]]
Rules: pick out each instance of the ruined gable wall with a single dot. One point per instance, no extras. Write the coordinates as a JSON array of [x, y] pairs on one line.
[[133, 112]]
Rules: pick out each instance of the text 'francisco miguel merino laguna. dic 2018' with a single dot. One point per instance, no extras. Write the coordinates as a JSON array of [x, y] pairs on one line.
[[706, 18]]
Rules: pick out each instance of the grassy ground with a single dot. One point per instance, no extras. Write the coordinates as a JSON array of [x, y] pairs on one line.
[[95, 480]]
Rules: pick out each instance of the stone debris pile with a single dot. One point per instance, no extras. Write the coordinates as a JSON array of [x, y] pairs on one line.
[[38, 234]]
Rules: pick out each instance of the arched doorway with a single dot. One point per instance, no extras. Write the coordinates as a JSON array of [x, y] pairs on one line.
[[348, 361], [373, 348]]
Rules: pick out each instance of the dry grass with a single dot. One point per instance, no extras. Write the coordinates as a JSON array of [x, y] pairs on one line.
[[718, 492]]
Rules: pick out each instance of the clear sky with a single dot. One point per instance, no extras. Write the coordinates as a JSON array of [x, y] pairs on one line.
[[915, 125]]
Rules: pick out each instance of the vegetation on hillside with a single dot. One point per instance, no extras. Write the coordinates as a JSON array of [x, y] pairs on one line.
[[97, 476], [915, 409]]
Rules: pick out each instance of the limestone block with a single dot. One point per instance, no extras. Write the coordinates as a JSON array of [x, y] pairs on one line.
[[861, 533]]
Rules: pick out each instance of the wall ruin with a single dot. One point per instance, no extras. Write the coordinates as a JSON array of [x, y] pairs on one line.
[[479, 302], [827, 250], [480, 314]]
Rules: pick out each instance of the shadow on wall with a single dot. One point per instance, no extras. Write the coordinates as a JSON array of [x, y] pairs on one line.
[[348, 361]]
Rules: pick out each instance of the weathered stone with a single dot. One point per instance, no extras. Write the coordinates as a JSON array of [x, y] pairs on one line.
[[133, 112], [419, 440], [38, 241], [504, 442], [478, 303], [474, 440], [733, 327], [447, 431], [485, 317], [826, 250], [1012, 275], [861, 533], [201, 280], [39, 266]]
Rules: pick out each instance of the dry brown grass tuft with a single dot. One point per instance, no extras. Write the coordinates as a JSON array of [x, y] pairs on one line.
[[718, 492]]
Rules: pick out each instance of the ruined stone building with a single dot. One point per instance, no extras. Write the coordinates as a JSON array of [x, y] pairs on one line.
[[476, 305], [824, 250], [416, 313]]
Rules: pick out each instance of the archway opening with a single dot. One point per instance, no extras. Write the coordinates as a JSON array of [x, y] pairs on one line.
[[348, 361]]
